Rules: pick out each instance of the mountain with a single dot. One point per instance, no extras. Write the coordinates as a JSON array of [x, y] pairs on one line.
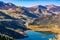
[[53, 8], [40, 10], [36, 8], [37, 11], [5, 16], [34, 12], [5, 6], [11, 27], [22, 16]]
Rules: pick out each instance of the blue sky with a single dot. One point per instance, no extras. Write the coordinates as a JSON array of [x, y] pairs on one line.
[[29, 3]]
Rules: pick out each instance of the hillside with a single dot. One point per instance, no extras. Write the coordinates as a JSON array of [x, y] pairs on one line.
[[14, 19]]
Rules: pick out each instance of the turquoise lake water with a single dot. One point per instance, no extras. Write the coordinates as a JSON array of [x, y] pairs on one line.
[[37, 36]]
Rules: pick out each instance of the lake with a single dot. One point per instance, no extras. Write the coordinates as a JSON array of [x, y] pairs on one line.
[[32, 35]]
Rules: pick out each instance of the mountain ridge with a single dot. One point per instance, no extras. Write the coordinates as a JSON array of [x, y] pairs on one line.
[[34, 12]]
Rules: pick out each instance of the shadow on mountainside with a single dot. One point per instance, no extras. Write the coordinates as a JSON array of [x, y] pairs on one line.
[[11, 24]]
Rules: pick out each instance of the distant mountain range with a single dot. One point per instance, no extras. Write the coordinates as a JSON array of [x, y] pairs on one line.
[[37, 11]]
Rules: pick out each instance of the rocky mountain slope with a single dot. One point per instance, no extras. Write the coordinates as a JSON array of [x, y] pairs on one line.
[[5, 6], [18, 16], [31, 13]]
